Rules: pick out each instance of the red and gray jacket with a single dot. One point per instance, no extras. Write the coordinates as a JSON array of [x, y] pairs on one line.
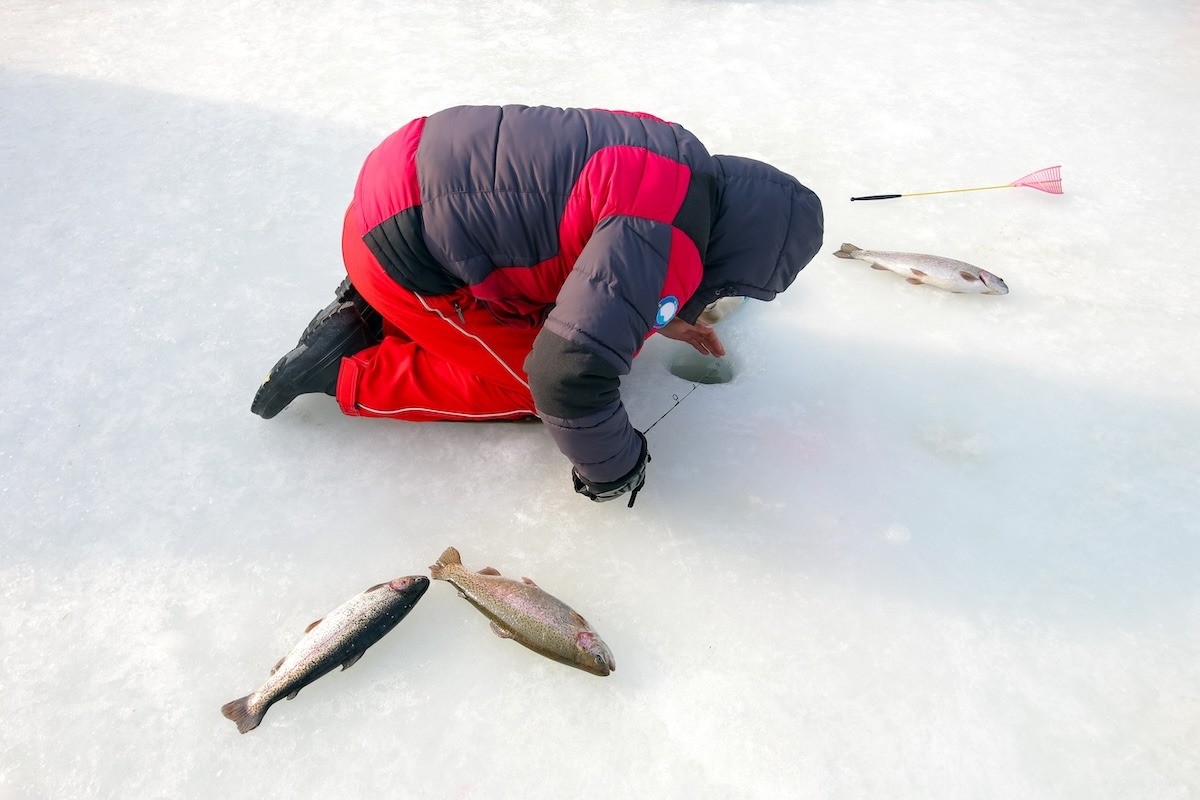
[[598, 226]]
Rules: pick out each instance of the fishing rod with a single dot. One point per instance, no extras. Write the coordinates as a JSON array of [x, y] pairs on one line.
[[1047, 180]]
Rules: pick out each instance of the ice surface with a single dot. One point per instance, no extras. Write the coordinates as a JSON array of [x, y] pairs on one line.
[[923, 545]]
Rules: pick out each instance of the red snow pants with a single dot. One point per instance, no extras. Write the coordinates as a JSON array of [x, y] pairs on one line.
[[442, 357]]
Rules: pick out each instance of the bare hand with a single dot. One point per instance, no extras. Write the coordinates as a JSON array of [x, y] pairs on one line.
[[700, 336]]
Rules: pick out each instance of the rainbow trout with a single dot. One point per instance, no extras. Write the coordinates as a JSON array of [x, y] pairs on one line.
[[522, 611], [341, 637], [944, 273]]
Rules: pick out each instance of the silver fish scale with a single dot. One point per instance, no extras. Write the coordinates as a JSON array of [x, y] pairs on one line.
[[337, 630], [520, 607]]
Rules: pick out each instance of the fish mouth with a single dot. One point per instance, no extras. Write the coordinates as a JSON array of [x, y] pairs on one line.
[[994, 283], [602, 658], [606, 663]]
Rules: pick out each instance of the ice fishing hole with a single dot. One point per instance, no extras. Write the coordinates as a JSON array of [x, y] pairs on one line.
[[699, 368]]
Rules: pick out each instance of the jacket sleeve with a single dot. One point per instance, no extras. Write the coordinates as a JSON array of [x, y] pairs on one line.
[[604, 312]]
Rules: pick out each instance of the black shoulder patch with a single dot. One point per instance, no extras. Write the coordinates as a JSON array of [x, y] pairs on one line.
[[399, 245], [695, 215], [568, 380]]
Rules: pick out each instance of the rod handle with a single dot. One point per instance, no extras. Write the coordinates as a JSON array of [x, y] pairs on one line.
[[876, 197]]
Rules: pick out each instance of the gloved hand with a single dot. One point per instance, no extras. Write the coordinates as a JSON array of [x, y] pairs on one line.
[[633, 482]]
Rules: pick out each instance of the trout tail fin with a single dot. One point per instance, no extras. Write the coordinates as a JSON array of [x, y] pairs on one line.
[[449, 557], [240, 712], [846, 250]]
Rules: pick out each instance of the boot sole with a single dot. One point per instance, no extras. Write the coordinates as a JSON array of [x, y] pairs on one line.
[[267, 399]]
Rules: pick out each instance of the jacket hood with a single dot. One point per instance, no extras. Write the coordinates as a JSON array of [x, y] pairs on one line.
[[766, 227]]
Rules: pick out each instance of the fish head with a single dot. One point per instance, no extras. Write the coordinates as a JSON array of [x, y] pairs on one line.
[[413, 584], [994, 283], [593, 654]]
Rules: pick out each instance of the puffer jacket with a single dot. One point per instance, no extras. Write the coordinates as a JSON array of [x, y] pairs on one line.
[[596, 226]]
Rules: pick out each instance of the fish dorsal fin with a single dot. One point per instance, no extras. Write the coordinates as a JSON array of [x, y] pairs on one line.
[[502, 632], [489, 571], [275, 668], [292, 696], [529, 582], [312, 625], [352, 660]]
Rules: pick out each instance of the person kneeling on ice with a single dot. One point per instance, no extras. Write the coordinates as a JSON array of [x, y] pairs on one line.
[[508, 262]]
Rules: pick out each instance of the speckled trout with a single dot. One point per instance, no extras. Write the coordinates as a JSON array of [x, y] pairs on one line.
[[944, 273], [522, 611], [340, 637]]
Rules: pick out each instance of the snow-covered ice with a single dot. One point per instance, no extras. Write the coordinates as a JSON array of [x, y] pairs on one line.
[[923, 545]]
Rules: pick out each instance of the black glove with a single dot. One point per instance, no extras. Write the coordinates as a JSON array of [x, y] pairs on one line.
[[633, 482]]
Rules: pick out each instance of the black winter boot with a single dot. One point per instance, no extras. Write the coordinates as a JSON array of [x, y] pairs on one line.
[[313, 365], [346, 293]]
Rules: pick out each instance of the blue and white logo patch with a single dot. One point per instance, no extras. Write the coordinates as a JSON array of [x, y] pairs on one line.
[[668, 307]]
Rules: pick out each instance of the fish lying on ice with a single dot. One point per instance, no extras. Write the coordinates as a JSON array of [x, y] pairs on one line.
[[522, 611], [944, 273], [341, 637]]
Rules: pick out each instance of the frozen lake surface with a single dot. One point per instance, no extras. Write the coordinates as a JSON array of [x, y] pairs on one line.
[[922, 545]]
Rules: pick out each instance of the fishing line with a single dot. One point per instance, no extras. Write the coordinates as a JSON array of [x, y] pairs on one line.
[[703, 378]]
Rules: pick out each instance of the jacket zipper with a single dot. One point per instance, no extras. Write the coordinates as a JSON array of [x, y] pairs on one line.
[[458, 310]]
